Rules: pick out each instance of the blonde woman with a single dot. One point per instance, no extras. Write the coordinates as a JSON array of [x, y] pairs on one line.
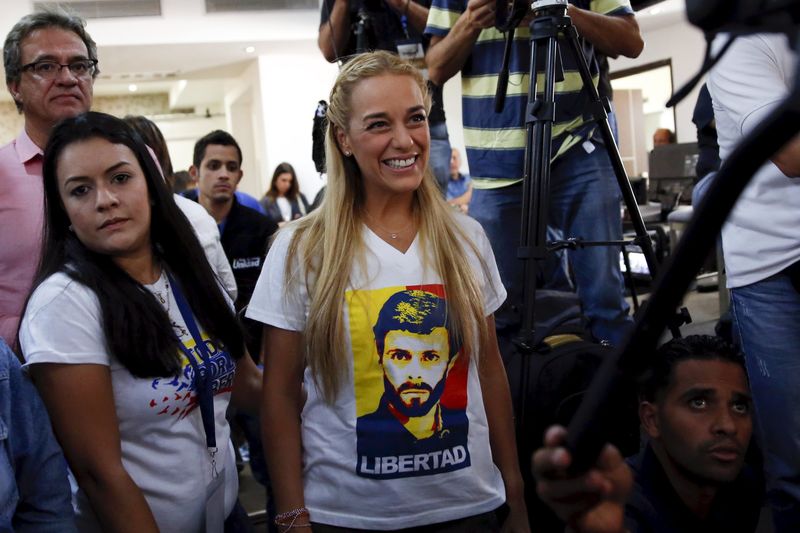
[[380, 305]]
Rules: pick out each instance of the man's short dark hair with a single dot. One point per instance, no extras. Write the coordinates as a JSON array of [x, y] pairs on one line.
[[691, 348], [181, 181], [46, 18], [215, 137], [415, 311]]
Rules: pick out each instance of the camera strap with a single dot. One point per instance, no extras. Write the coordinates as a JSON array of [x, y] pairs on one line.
[[202, 375]]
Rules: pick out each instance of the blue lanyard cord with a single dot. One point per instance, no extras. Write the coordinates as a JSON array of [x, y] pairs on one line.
[[202, 380], [404, 22]]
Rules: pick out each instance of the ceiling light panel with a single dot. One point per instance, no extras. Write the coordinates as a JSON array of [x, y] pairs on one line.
[[216, 6], [97, 9]]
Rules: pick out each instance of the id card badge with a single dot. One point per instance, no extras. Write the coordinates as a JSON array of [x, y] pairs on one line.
[[215, 504], [412, 51]]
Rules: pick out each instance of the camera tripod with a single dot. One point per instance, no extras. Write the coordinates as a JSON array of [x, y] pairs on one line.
[[550, 25]]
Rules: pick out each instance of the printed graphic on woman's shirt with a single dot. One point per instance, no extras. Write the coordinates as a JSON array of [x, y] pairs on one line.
[[410, 383], [177, 396]]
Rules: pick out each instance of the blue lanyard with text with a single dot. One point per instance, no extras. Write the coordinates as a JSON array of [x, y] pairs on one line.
[[203, 381]]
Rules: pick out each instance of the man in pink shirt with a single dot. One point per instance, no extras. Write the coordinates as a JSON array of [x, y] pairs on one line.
[[50, 63]]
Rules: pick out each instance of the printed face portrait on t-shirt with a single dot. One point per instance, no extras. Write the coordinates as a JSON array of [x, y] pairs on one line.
[[414, 370], [410, 383]]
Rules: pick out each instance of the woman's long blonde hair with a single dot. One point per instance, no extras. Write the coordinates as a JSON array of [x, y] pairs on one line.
[[329, 240]]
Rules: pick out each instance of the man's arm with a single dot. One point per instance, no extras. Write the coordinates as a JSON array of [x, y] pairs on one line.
[[446, 55], [612, 35], [417, 14], [334, 33], [746, 85], [38, 463]]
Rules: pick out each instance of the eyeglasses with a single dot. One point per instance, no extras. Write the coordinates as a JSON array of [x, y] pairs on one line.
[[49, 70]]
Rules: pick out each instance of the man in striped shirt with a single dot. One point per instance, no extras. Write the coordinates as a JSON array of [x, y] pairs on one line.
[[584, 196]]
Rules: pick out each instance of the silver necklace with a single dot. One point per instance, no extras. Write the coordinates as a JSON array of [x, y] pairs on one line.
[[392, 234]]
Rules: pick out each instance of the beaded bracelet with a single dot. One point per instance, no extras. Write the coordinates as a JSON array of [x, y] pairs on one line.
[[287, 520]]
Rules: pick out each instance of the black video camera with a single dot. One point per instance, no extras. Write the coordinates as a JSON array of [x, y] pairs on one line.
[[509, 13]]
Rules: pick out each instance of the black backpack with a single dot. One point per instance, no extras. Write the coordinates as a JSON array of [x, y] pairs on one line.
[[559, 373]]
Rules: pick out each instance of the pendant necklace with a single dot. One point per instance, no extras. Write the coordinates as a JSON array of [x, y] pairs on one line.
[[392, 234]]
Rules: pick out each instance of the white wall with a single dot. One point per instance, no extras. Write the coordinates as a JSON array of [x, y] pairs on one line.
[[685, 45], [244, 111], [292, 81], [452, 110], [181, 134]]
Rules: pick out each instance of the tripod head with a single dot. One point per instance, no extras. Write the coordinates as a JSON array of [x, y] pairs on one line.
[[509, 15]]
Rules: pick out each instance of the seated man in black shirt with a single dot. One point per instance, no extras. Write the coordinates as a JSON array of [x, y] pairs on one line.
[[695, 408]]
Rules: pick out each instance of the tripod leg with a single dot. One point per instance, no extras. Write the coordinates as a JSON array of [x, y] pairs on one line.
[[536, 189], [629, 276], [539, 118], [601, 117]]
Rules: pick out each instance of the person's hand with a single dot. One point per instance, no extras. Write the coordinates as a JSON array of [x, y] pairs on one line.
[[593, 502], [480, 14]]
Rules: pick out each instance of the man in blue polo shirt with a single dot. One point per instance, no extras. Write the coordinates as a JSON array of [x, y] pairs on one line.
[[584, 196]]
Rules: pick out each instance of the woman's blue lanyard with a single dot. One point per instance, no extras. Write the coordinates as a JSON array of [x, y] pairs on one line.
[[202, 376], [404, 22]]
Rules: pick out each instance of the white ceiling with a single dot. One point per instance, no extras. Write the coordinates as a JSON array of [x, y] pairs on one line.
[[661, 15], [185, 43]]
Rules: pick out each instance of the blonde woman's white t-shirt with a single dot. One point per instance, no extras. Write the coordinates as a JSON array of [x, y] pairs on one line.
[[371, 473], [161, 431]]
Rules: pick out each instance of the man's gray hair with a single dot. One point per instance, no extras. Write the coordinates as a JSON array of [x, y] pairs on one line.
[[47, 18]]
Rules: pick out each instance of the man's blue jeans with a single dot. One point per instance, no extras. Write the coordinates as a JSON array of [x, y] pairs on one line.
[[584, 203], [766, 315], [440, 154]]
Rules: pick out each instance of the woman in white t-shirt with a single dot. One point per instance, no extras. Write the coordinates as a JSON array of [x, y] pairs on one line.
[[131, 341], [380, 305], [284, 202]]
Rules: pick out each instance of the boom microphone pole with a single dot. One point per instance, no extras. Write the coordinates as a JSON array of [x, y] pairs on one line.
[[586, 433]]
